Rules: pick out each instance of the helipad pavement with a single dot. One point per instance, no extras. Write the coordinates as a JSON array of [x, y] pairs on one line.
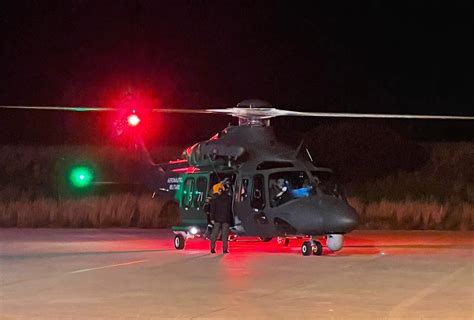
[[137, 274]]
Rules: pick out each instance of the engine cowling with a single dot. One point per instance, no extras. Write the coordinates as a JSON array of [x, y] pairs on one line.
[[216, 151]]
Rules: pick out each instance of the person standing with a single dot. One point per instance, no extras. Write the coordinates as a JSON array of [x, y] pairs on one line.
[[221, 216]]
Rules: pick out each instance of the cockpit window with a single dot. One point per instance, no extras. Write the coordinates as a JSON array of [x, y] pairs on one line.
[[322, 176], [331, 188], [326, 184], [288, 185]]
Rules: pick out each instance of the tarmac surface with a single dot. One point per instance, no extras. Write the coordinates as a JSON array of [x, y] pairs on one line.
[[137, 274]]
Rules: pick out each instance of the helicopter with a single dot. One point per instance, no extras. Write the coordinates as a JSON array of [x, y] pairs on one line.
[[277, 192]]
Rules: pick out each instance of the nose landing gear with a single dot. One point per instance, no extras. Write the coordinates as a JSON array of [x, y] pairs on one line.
[[312, 246]]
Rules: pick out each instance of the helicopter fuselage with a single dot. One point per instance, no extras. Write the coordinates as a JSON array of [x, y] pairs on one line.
[[253, 160]]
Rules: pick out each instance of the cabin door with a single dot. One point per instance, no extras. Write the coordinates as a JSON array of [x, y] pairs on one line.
[[249, 203]]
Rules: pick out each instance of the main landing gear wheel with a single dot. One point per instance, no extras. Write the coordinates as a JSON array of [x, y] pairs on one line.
[[306, 248], [179, 242], [312, 247], [317, 248]]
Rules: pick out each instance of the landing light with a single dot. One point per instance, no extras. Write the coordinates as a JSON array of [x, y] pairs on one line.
[[193, 230]]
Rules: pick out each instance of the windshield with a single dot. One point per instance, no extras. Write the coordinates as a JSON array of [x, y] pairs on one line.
[[288, 185], [326, 184]]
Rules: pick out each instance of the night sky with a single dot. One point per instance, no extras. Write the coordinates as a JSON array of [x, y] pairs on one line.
[[354, 57]]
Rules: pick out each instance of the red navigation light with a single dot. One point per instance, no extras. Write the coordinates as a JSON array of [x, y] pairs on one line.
[[133, 120]]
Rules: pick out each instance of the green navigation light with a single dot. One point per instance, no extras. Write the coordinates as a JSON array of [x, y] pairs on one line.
[[81, 177]]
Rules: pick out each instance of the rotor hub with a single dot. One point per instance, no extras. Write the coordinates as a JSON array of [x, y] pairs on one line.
[[253, 112], [254, 104]]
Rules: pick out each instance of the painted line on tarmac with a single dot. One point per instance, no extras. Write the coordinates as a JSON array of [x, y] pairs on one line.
[[399, 311], [110, 266], [84, 253]]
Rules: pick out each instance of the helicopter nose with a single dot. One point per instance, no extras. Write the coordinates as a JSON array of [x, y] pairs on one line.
[[318, 215], [343, 220]]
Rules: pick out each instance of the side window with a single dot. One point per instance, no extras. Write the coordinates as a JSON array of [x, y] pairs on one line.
[[188, 192], [200, 193], [288, 185], [244, 187], [258, 192]]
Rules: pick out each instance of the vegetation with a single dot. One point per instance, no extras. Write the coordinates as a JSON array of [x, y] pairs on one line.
[[439, 194], [121, 210], [35, 191], [413, 214], [447, 177]]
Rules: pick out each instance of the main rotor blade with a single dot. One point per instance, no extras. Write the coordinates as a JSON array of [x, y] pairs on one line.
[[267, 113], [227, 111], [368, 115], [256, 113], [77, 109], [95, 109]]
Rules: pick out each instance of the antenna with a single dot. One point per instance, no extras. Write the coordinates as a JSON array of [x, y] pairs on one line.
[[309, 155], [298, 149]]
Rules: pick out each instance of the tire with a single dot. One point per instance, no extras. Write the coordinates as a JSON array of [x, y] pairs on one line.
[[306, 248], [318, 248], [265, 239], [179, 242]]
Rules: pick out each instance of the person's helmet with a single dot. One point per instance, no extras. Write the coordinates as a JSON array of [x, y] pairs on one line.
[[221, 186], [217, 188], [280, 183]]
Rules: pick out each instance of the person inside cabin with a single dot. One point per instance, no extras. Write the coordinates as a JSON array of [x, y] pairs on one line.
[[278, 189]]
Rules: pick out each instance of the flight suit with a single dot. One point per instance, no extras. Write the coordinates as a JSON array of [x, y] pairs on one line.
[[221, 214]]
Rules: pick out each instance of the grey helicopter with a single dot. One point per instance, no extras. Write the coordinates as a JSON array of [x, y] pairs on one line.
[[278, 191]]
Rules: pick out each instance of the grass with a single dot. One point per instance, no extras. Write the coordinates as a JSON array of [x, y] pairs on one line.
[[120, 210], [412, 214]]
